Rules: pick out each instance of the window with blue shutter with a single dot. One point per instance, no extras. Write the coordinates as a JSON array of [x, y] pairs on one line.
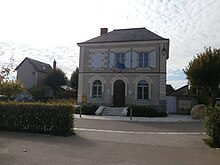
[[120, 60], [143, 59]]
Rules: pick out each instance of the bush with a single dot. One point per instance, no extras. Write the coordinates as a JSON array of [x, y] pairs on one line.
[[87, 109], [212, 125], [62, 101], [146, 111], [54, 119]]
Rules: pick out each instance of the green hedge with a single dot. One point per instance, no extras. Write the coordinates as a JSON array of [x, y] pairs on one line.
[[87, 109], [212, 125], [145, 111], [54, 119]]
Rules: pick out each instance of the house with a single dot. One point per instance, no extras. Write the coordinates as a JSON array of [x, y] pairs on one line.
[[180, 101], [182, 91], [124, 67], [31, 72], [169, 89]]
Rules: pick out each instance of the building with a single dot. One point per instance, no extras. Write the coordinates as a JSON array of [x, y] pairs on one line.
[[180, 101], [124, 67], [32, 72], [169, 89]]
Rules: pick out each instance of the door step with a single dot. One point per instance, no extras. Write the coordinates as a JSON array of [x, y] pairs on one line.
[[112, 111]]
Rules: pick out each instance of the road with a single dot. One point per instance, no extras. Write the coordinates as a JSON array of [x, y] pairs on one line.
[[99, 142], [140, 126]]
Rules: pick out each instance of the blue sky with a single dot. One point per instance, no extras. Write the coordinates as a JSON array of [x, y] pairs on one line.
[[49, 29]]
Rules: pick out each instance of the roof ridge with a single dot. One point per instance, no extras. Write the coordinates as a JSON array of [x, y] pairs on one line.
[[126, 35], [38, 65], [37, 61], [129, 29]]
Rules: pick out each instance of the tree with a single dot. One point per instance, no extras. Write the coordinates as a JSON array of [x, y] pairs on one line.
[[6, 70], [40, 92], [203, 72], [54, 79], [74, 79], [11, 88]]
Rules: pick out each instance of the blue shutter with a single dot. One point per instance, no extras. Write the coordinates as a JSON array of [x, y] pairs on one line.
[[111, 60], [134, 60], [152, 57], [128, 60]]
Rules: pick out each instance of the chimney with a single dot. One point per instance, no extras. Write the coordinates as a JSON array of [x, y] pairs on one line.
[[104, 31], [54, 64]]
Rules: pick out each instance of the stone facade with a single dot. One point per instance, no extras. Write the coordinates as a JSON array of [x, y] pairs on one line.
[[120, 68]]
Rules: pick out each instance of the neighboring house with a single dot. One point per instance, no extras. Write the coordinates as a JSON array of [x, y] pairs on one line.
[[124, 67], [32, 72], [182, 91], [180, 101], [169, 89]]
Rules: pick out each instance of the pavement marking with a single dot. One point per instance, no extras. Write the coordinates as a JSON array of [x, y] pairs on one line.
[[142, 133]]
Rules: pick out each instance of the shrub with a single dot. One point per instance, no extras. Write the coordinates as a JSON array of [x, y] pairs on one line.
[[146, 111], [54, 119], [62, 101], [212, 125], [87, 109]]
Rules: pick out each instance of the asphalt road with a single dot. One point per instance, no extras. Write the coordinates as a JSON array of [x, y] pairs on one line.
[[140, 126], [99, 142]]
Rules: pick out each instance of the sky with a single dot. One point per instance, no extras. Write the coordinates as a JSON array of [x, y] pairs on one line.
[[50, 29]]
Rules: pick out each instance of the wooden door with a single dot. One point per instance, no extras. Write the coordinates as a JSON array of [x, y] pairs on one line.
[[119, 94]]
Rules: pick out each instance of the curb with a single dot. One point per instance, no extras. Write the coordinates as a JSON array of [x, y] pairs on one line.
[[169, 118]]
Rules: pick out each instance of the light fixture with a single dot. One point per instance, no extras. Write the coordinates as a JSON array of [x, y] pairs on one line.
[[164, 51]]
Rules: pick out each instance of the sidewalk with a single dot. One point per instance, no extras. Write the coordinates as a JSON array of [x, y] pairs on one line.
[[169, 118]]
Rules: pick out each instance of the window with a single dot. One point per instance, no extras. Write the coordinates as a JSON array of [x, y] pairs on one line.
[[142, 91], [97, 89], [143, 59], [120, 61]]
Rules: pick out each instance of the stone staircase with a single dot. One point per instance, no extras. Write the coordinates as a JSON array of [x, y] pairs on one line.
[[112, 111]]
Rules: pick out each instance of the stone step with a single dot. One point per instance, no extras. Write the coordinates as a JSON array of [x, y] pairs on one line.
[[114, 111]]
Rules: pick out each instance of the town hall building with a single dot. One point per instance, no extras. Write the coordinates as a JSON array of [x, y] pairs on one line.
[[124, 67]]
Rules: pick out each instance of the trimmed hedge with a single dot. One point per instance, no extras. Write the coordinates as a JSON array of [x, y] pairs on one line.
[[146, 111], [53, 119], [87, 109]]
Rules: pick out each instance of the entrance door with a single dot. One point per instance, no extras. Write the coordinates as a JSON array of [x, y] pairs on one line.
[[119, 94]]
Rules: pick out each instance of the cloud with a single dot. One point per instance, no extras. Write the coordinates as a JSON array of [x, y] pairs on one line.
[[54, 31], [177, 83], [67, 57]]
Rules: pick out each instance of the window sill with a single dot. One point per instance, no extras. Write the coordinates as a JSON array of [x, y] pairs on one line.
[[95, 98], [143, 101], [143, 68]]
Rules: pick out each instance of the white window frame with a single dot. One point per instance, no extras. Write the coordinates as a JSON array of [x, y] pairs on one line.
[[143, 58], [150, 84], [143, 88], [97, 93]]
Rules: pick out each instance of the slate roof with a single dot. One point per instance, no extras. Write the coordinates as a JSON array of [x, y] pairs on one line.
[[126, 35], [169, 89], [182, 91], [39, 66]]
